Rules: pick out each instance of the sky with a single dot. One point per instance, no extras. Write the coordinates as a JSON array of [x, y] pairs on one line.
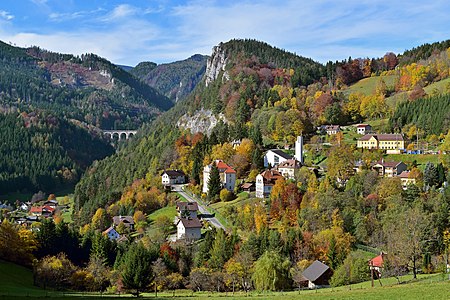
[[162, 31]]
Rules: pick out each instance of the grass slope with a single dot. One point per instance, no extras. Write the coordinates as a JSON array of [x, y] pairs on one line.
[[367, 86], [16, 282]]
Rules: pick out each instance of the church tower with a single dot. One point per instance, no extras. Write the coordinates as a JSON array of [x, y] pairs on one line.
[[299, 149]]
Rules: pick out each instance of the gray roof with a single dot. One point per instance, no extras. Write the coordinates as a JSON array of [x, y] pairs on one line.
[[315, 270], [281, 153]]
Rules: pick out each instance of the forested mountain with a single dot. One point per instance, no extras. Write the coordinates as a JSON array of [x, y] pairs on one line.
[[175, 80], [256, 90], [42, 152], [260, 92], [86, 88]]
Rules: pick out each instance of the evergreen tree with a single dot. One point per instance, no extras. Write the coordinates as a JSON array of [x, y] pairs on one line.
[[214, 185], [430, 175], [137, 268]]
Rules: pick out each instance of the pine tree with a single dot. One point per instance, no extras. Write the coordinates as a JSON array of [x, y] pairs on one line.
[[430, 175], [214, 185], [137, 268]]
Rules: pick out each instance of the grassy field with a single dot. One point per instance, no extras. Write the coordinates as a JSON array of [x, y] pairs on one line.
[[367, 86], [169, 211], [16, 282], [421, 159]]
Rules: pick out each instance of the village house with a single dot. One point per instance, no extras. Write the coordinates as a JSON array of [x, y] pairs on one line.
[[273, 157], [44, 211], [382, 141], [189, 229], [187, 209], [318, 275], [51, 203], [406, 179], [111, 233], [248, 187], [227, 176], [389, 169], [363, 128], [331, 129], [170, 177], [289, 168], [265, 182], [126, 220]]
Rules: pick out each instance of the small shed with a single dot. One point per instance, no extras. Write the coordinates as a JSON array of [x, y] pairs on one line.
[[318, 275]]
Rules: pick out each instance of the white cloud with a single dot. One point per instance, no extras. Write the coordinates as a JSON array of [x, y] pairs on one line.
[[39, 2], [321, 29], [6, 15], [60, 17], [121, 11]]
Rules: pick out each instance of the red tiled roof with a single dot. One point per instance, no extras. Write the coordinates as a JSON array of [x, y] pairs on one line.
[[377, 261], [230, 171], [35, 209], [48, 208], [362, 125], [223, 166]]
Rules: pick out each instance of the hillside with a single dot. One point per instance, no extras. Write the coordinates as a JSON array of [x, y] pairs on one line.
[[175, 80], [43, 152], [253, 91], [86, 88]]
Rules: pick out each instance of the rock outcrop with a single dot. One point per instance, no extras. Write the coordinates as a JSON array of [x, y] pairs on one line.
[[215, 64], [202, 121]]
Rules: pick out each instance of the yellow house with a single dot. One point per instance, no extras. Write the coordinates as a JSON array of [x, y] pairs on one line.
[[382, 141]]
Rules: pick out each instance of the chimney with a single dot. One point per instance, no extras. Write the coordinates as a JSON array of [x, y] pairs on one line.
[[299, 149]]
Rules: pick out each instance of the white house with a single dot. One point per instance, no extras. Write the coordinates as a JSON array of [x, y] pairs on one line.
[[189, 229], [227, 176], [265, 182], [406, 179], [170, 177], [363, 128], [289, 168], [111, 233], [330, 129], [275, 156]]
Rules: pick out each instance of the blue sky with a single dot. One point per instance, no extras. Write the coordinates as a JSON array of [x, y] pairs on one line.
[[128, 32]]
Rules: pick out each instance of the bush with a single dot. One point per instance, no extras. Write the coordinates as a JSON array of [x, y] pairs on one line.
[[226, 195], [354, 269]]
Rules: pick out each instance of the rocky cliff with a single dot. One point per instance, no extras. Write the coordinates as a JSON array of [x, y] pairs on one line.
[[202, 121], [215, 64]]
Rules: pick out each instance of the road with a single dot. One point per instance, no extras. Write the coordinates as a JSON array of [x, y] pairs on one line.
[[212, 220]]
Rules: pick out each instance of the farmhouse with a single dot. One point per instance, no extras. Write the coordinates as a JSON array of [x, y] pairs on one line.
[[389, 169], [275, 156], [318, 275], [189, 229], [187, 209], [227, 175], [126, 220], [382, 141], [170, 177], [289, 168], [331, 129], [363, 128], [265, 182]]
